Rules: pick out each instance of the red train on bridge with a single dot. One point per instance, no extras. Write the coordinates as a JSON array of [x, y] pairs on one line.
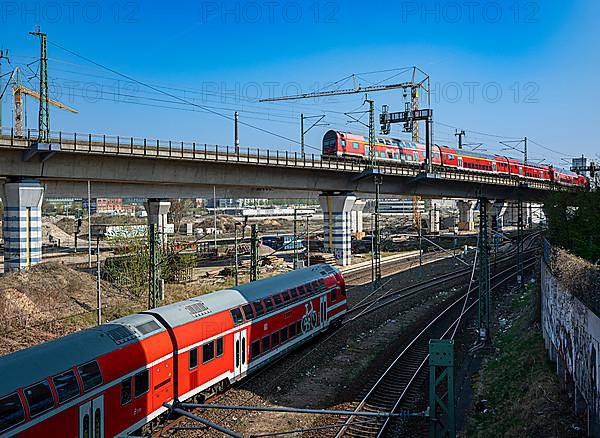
[[347, 145], [113, 379]]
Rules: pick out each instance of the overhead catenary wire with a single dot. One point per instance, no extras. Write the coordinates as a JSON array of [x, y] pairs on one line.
[[209, 110]]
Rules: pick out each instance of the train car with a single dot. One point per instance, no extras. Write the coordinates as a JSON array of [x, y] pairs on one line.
[[113, 379], [350, 146], [282, 242], [92, 383]]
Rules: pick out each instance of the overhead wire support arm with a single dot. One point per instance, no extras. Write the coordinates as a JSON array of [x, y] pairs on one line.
[[303, 132], [357, 90]]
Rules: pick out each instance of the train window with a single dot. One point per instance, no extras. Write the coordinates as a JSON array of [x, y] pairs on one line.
[[39, 398], [266, 344], [126, 388], [86, 426], [409, 158], [283, 334], [402, 157], [299, 327], [248, 312], [255, 349], [11, 412], [294, 294], [220, 346], [97, 422], [236, 315], [395, 156], [90, 375], [275, 339], [343, 143], [243, 350], [367, 150], [141, 383], [292, 330], [333, 295], [208, 351], [66, 386], [258, 308], [277, 300], [390, 155], [193, 359], [355, 145], [382, 154], [286, 296], [300, 291], [268, 304], [237, 353]]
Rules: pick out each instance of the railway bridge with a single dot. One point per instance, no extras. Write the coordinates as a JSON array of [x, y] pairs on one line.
[[114, 166]]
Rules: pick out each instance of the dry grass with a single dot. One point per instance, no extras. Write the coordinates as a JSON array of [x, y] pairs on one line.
[[577, 276]]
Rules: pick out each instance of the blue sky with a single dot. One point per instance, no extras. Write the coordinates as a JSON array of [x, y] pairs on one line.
[[499, 70]]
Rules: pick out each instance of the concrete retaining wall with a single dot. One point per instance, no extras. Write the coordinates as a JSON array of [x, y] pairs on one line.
[[572, 336]]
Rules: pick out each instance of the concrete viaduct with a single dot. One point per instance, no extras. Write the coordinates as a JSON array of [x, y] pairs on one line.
[[159, 170]]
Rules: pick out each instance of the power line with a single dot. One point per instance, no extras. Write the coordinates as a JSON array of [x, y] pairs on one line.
[[478, 132], [258, 128]]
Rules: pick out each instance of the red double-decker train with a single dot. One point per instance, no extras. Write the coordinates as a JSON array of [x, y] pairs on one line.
[[351, 146], [113, 379]]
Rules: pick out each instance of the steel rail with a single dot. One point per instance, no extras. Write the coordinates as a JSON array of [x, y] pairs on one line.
[[412, 343]]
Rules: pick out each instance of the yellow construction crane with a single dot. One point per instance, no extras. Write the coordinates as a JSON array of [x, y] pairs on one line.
[[18, 92]]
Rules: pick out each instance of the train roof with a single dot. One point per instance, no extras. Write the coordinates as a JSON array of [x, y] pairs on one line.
[[184, 312], [31, 365]]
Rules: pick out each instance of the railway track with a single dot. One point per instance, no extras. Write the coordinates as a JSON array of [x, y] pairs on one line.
[[399, 386], [383, 297], [373, 302]]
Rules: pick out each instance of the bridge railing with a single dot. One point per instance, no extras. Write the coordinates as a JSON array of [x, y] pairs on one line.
[[143, 147]]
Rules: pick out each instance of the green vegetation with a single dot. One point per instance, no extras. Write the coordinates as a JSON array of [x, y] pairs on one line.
[[518, 383], [574, 222]]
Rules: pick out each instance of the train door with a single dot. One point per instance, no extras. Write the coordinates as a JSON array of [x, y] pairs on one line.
[[323, 308], [460, 162], [240, 362], [91, 418]]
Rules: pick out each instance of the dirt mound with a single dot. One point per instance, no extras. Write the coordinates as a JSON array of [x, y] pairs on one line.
[[18, 309], [264, 250], [272, 224], [34, 305], [224, 222], [49, 229]]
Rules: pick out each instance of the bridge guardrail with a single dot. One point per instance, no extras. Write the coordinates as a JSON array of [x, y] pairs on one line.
[[168, 149]]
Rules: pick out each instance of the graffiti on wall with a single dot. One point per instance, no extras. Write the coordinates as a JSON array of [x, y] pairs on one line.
[[573, 332]]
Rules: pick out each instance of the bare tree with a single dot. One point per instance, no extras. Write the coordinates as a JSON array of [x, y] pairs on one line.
[[179, 209]]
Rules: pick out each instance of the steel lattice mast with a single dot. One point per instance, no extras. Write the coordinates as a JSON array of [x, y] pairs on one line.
[[44, 113]]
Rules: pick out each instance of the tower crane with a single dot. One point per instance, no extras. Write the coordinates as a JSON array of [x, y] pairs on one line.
[[18, 100], [413, 86]]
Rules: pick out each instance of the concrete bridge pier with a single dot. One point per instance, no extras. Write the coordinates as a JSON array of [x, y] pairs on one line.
[[357, 218], [337, 225], [157, 210], [22, 224], [466, 215], [512, 214], [498, 211]]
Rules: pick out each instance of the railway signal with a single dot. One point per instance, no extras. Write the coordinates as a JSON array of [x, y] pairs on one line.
[[387, 119]]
